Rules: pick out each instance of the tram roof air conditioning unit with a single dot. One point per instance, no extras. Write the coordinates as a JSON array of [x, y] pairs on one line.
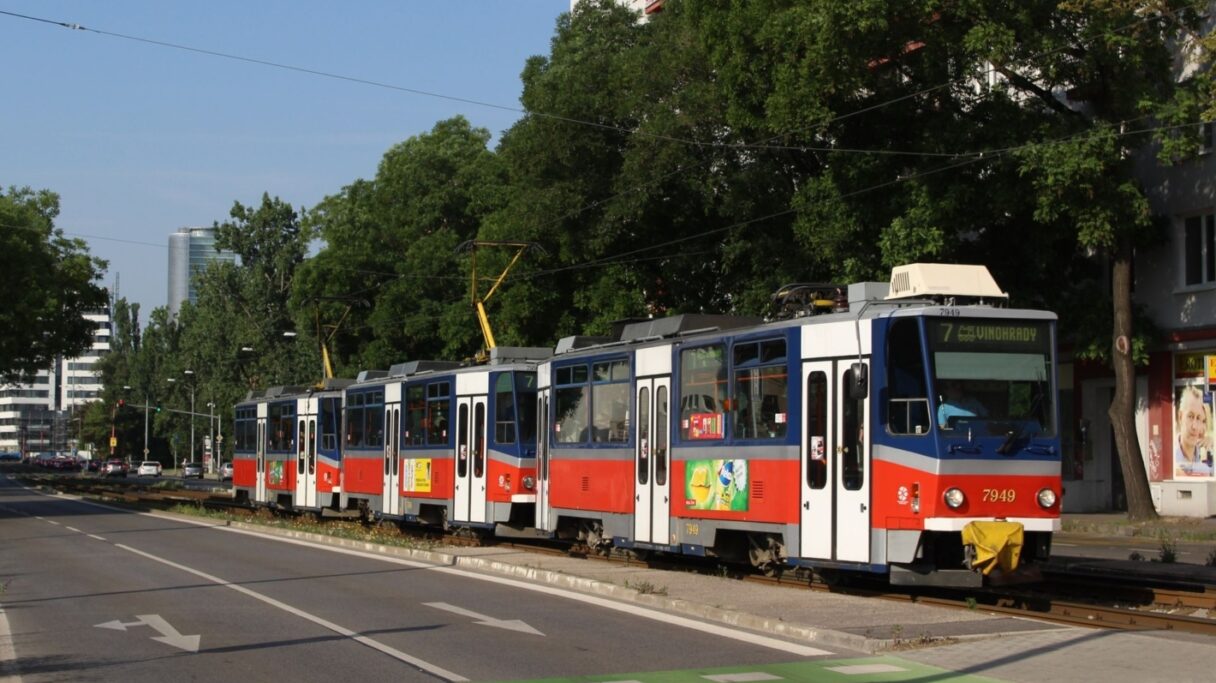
[[923, 280]]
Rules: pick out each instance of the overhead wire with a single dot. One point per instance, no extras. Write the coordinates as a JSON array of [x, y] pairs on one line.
[[764, 144]]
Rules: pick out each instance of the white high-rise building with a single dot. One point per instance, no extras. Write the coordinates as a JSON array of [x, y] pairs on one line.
[[42, 414], [190, 251]]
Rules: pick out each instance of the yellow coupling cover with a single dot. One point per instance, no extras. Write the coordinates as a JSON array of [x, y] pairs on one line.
[[996, 544]]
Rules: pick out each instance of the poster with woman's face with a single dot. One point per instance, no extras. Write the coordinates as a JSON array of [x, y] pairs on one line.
[[1193, 433]]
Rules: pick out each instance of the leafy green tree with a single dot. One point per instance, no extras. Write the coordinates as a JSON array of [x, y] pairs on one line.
[[52, 282], [389, 271], [241, 334], [991, 132]]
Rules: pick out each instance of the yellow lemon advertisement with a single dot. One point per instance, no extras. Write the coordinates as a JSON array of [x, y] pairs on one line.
[[716, 485], [418, 479]]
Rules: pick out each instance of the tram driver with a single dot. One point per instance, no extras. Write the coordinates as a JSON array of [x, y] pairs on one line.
[[956, 404]]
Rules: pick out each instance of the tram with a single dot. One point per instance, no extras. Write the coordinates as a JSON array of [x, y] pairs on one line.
[[825, 440]]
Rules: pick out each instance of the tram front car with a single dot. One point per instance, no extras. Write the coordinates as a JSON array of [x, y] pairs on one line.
[[967, 469]]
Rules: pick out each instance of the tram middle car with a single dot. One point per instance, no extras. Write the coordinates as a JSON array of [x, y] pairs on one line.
[[438, 443], [912, 433]]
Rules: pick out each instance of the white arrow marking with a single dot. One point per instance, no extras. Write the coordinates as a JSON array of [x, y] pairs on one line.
[[168, 634], [509, 624]]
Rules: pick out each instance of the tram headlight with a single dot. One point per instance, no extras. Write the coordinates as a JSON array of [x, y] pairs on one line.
[[1047, 498], [529, 482], [954, 498]]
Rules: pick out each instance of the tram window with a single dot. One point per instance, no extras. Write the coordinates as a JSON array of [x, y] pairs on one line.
[[479, 440], [852, 438], [542, 443], [282, 428], [300, 449], [354, 420], [611, 403], [525, 396], [702, 392], [462, 440], [759, 406], [438, 404], [374, 434], [643, 435], [659, 453], [908, 400], [415, 415], [817, 430], [312, 446], [504, 410], [330, 408], [571, 404], [571, 414]]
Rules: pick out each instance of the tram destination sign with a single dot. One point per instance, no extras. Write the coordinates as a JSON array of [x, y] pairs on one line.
[[961, 335]]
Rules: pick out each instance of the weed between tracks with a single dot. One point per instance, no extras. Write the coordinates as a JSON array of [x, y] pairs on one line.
[[384, 534]]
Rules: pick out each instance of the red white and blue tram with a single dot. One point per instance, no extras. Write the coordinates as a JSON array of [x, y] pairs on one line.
[[909, 429], [826, 440], [438, 443], [286, 451]]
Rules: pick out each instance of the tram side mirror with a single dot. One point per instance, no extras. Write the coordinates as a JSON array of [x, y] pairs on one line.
[[859, 381]]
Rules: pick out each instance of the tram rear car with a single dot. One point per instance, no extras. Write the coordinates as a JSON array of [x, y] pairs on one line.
[[286, 452], [815, 441]]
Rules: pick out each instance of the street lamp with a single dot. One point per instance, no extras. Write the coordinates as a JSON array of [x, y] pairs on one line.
[[211, 433], [190, 374]]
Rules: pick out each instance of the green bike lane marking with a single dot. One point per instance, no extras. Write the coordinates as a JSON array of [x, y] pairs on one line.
[[866, 670]]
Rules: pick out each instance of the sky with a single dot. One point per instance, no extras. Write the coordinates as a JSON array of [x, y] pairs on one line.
[[139, 138]]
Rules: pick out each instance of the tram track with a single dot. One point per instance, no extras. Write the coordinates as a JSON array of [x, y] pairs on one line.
[[1079, 600]]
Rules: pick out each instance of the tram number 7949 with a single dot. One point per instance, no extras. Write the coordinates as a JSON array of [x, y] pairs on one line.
[[999, 495]]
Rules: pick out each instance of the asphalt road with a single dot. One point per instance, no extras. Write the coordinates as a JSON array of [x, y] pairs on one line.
[[94, 593]]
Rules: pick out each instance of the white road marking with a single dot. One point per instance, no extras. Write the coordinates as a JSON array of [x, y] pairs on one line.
[[858, 669], [684, 622], [8, 656], [751, 677], [675, 620], [295, 611], [168, 634], [100, 538], [72, 528], [509, 624]]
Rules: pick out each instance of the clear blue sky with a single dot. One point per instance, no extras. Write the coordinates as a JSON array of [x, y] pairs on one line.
[[141, 139]]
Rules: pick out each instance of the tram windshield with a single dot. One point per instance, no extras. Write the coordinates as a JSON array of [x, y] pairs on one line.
[[992, 377]]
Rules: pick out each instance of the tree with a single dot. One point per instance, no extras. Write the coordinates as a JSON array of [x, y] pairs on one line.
[[964, 131], [390, 268], [52, 282]]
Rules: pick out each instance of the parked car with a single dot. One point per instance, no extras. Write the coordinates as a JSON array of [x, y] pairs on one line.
[[192, 469], [149, 468], [226, 471], [114, 468]]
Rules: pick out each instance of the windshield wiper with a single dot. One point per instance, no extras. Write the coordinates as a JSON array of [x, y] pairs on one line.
[[1014, 436]]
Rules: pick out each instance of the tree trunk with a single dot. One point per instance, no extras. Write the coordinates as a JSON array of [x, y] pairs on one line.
[[1123, 408]]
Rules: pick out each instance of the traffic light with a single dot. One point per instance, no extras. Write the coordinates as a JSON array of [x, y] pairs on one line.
[[158, 409], [122, 402]]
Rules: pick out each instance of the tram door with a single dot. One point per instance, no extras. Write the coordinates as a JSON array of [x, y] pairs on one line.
[[259, 468], [542, 460], [835, 459], [306, 452], [470, 501], [391, 493], [652, 486]]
